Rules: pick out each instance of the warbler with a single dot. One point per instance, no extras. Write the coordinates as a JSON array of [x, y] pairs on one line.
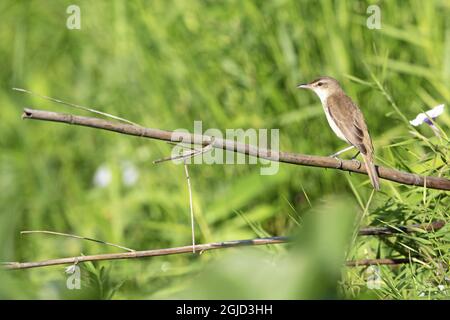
[[346, 120]]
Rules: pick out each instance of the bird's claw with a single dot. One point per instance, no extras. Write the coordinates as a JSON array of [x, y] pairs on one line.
[[357, 161]]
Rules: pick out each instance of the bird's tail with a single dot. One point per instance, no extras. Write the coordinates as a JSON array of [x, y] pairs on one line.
[[371, 171]]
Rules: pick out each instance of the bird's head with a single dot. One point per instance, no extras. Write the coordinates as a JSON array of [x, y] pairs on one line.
[[323, 87]]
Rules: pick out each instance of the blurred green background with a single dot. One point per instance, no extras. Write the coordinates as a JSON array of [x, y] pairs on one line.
[[231, 64]]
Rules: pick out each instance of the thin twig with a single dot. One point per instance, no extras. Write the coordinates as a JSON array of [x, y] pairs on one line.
[[73, 105], [191, 206], [386, 231], [188, 154], [76, 237], [185, 156], [286, 157], [372, 262], [187, 146]]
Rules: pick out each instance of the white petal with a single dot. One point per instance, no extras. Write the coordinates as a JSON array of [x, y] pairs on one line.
[[436, 111], [418, 120], [433, 113]]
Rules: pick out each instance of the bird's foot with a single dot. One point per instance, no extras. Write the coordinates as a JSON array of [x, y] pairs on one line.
[[356, 160]]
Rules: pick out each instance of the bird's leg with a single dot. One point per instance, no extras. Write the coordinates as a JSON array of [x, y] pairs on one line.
[[334, 155], [354, 159]]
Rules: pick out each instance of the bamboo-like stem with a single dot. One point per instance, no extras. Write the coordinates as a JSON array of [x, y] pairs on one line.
[[285, 157], [433, 226], [185, 249], [145, 253]]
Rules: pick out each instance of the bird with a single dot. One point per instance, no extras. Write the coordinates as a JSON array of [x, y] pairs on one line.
[[346, 120]]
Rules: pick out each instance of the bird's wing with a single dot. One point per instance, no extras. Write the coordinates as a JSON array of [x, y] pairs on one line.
[[350, 120]]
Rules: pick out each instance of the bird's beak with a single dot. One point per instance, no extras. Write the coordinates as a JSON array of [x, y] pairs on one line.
[[304, 86]]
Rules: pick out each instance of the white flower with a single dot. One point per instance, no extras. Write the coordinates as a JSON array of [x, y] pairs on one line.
[[130, 174], [427, 115], [102, 176]]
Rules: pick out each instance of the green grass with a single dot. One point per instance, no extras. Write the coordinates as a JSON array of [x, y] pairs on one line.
[[231, 64]]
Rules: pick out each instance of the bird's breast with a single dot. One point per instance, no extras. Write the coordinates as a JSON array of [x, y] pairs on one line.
[[332, 123]]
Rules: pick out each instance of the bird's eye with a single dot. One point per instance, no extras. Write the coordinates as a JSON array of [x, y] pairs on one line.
[[320, 84]]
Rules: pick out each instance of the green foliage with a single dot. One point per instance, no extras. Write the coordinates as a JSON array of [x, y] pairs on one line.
[[308, 269], [231, 64]]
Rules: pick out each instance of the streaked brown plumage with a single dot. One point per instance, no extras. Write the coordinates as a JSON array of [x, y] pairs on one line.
[[346, 120]]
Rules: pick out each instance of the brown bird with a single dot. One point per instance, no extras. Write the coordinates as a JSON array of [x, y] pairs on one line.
[[346, 120]]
